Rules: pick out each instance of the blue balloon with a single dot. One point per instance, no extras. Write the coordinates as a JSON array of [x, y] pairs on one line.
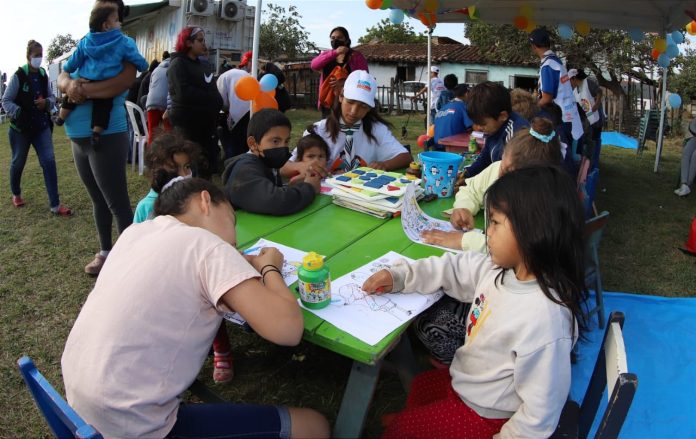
[[674, 100], [396, 16], [672, 50], [565, 31], [268, 82], [636, 34], [677, 37], [668, 38], [663, 60]]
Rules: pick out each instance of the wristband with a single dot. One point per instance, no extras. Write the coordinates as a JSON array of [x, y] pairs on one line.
[[266, 266], [263, 276]]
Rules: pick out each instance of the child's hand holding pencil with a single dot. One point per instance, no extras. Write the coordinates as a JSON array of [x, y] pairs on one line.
[[379, 283]]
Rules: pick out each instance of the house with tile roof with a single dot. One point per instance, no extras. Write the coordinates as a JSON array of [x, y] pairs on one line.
[[408, 62]]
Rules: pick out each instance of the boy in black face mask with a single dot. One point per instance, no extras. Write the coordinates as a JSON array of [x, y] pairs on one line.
[[252, 181]]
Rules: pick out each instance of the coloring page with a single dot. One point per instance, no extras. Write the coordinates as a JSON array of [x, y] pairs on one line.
[[292, 261], [414, 221], [371, 317]]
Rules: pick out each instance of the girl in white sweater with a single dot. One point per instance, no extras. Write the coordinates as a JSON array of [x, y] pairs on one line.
[[511, 377]]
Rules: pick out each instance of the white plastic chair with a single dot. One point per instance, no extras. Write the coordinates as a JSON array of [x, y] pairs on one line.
[[139, 138]]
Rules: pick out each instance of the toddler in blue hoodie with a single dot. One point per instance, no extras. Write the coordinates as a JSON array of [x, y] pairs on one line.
[[100, 55]]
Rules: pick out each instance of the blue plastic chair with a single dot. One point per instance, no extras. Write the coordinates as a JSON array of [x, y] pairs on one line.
[[594, 228], [61, 418]]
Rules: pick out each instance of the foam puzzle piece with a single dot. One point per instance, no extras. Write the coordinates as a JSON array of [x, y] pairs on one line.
[[374, 180]]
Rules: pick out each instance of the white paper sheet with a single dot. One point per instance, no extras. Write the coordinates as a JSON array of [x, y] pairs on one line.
[[414, 221], [370, 318], [292, 261]]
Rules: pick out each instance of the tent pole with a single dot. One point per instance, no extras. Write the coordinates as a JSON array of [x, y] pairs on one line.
[[255, 44], [663, 109], [427, 110]]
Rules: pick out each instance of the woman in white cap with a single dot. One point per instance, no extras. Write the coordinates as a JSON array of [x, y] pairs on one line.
[[589, 96], [355, 132]]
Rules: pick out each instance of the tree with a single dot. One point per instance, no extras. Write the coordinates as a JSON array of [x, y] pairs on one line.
[[684, 82], [60, 44], [282, 34], [609, 53], [387, 32]]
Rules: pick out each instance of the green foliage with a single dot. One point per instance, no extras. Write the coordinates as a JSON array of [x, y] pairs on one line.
[[387, 32], [684, 82], [282, 34], [608, 53], [500, 43], [60, 44]]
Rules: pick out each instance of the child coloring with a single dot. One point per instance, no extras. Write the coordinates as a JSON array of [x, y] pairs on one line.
[[252, 181], [100, 55], [140, 340], [511, 378]]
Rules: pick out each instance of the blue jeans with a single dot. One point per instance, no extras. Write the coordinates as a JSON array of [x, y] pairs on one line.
[[43, 144]]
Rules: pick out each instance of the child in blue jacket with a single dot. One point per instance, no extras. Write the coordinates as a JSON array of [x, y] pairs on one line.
[[100, 55]]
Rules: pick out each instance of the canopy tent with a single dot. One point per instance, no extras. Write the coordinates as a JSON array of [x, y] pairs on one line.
[[659, 16]]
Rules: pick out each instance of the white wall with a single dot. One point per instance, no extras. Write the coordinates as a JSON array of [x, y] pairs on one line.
[[384, 72]]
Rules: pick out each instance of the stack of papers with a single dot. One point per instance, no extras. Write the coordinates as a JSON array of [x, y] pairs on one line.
[[377, 193]]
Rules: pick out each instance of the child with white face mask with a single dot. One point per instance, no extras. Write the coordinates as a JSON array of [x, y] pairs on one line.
[[100, 55]]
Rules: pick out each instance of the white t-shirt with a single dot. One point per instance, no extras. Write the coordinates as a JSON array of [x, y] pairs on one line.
[[437, 86], [515, 361], [237, 107], [146, 328], [384, 148]]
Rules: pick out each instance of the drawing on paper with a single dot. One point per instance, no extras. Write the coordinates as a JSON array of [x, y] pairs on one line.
[[414, 221], [371, 317]]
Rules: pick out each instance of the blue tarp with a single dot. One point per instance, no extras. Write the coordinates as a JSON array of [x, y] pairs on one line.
[[614, 138], [660, 339]]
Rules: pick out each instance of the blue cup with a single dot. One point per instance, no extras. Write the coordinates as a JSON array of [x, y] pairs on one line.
[[440, 172]]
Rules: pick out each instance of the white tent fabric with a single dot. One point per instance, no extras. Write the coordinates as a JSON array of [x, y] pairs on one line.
[[660, 16]]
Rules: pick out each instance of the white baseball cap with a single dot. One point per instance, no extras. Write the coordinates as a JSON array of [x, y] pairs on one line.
[[572, 73], [361, 86], [435, 69]]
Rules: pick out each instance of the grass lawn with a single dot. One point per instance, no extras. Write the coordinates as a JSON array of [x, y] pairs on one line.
[[42, 283]]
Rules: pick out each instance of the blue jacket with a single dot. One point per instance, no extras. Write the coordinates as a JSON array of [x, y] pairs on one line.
[[495, 143], [100, 55]]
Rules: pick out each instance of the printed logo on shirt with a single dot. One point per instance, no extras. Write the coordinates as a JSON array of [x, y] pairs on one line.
[[478, 314], [365, 85], [208, 78]]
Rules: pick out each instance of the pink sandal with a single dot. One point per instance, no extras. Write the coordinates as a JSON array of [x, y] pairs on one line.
[[222, 367]]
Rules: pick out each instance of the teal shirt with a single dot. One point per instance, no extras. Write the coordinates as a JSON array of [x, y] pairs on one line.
[[145, 207]]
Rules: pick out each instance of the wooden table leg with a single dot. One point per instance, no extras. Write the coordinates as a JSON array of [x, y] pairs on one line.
[[356, 400]]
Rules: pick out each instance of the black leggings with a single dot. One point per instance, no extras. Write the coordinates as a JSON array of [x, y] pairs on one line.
[[103, 172], [442, 328]]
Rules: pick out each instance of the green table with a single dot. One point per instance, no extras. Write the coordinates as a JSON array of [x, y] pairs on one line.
[[348, 239]]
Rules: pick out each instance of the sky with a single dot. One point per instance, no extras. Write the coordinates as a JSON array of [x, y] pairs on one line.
[[42, 20]]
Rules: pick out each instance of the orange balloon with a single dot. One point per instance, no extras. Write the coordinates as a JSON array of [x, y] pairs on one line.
[[272, 92], [530, 26], [655, 54], [430, 5], [264, 100], [660, 44], [373, 4], [521, 22], [431, 131], [691, 27], [582, 27], [247, 88]]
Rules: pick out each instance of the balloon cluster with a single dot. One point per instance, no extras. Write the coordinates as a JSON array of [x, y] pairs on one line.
[[427, 14], [665, 49], [260, 93], [565, 31]]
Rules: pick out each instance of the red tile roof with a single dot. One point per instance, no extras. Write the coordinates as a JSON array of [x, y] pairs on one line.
[[452, 52]]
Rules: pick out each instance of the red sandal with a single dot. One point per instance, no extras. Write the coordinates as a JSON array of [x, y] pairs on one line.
[[222, 367]]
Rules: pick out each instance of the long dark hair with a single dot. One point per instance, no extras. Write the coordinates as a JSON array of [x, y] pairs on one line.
[[333, 124], [172, 200], [543, 207]]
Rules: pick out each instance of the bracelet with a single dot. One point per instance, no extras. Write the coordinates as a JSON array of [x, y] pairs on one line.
[[267, 265], [263, 276]]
